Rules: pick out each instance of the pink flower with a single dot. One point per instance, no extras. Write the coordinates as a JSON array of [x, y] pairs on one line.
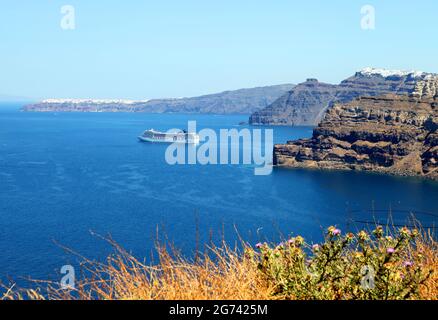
[[408, 264], [259, 245], [390, 250], [315, 247], [333, 231]]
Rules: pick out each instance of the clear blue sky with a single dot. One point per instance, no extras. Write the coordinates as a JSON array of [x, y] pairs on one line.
[[151, 49]]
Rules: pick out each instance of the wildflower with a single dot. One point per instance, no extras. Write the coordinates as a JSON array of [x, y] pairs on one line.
[[333, 231], [349, 237], [378, 232], [390, 250], [405, 232], [414, 233], [388, 238], [299, 241], [259, 245], [249, 252], [363, 235], [358, 255], [407, 264], [315, 247]]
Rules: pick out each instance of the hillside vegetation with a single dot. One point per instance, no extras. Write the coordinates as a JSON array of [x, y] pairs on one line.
[[377, 265]]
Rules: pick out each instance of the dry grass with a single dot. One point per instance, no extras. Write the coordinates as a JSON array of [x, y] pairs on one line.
[[224, 275], [221, 274], [429, 248]]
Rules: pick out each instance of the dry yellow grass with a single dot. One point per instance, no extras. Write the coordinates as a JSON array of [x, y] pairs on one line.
[[429, 248], [228, 276], [222, 274]]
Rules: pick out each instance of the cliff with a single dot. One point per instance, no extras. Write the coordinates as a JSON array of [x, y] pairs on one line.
[[243, 101], [307, 103], [302, 105], [388, 134]]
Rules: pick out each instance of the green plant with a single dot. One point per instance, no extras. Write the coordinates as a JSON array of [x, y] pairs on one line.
[[351, 266]]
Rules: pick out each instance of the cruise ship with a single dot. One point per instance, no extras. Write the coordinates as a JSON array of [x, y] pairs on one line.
[[169, 137]]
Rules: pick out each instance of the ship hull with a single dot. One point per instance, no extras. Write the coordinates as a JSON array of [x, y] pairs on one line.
[[169, 139]]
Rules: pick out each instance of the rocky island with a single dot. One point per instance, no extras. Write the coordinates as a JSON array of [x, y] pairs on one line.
[[242, 101], [307, 102], [394, 134]]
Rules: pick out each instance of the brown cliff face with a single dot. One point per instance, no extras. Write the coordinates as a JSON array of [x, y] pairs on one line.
[[307, 103], [389, 134]]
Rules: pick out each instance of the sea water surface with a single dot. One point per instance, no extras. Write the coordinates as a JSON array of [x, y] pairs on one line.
[[64, 175]]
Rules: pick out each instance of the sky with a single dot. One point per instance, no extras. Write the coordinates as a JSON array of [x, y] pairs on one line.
[[155, 49]]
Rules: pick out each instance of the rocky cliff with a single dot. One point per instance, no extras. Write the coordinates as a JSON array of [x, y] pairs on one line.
[[389, 134], [302, 105], [244, 101], [307, 103]]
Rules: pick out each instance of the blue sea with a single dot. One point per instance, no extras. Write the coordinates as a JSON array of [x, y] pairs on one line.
[[64, 176]]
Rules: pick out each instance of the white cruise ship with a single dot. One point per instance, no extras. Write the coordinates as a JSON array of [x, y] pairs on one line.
[[169, 137]]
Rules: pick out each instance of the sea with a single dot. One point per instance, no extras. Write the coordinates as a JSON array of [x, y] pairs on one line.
[[70, 180]]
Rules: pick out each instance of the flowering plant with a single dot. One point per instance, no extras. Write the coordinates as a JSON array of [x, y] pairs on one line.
[[353, 266]]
